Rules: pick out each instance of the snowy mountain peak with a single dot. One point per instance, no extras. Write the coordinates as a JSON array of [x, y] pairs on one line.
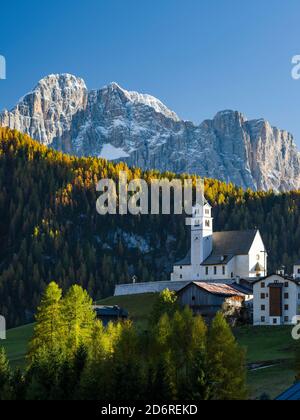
[[47, 112], [63, 78], [61, 81], [143, 99], [118, 124], [114, 86]]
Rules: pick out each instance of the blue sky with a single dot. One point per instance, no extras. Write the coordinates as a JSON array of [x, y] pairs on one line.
[[198, 57]]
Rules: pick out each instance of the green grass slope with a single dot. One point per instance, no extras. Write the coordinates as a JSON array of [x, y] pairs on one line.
[[269, 344], [138, 306], [16, 344]]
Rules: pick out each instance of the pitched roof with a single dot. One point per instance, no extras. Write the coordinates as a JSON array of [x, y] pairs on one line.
[[225, 246], [247, 290], [214, 259], [292, 394], [114, 311], [228, 244], [220, 289], [284, 278]]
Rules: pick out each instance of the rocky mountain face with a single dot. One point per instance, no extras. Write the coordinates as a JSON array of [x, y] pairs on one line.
[[120, 125]]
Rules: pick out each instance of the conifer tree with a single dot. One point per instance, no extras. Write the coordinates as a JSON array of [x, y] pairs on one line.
[[78, 317], [164, 356], [126, 369], [227, 365], [196, 384], [49, 332], [5, 377], [166, 303], [18, 385]]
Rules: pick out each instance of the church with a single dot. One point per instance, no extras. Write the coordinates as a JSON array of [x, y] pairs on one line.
[[220, 256]]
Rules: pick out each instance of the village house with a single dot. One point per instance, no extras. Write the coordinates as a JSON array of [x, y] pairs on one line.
[[206, 299], [109, 314], [220, 255], [276, 300]]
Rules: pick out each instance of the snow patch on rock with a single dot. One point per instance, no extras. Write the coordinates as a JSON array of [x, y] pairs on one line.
[[110, 152]]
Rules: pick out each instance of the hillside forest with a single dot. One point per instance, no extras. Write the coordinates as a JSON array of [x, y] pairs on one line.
[[50, 230]]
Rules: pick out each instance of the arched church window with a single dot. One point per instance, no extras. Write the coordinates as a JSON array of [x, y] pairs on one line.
[[207, 223]]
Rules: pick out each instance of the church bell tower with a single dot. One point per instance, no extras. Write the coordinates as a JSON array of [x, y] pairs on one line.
[[201, 235]]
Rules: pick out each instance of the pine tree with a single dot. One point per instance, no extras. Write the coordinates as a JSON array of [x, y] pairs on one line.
[[227, 365], [18, 385], [5, 377], [127, 381], [78, 317], [196, 383], [166, 303], [164, 357], [49, 332]]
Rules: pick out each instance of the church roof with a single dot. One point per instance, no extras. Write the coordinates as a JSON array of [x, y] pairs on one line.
[[228, 244], [217, 259]]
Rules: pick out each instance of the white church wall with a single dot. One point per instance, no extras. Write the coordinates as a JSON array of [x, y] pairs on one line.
[[215, 272], [297, 271], [182, 273], [230, 269], [256, 255], [241, 268]]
